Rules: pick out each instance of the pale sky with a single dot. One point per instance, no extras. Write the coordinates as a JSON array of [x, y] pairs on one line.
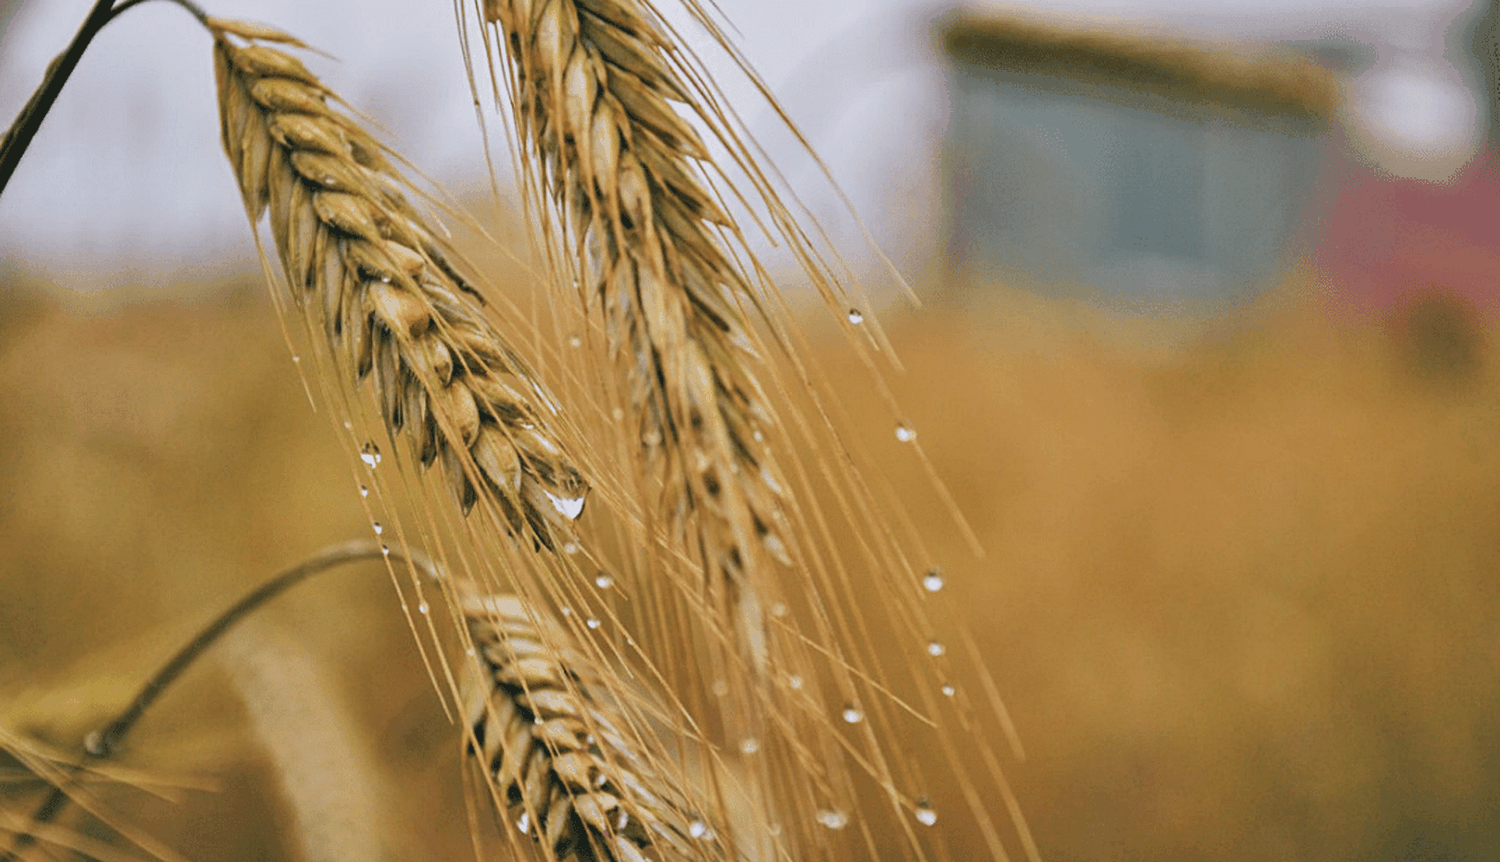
[[127, 174]]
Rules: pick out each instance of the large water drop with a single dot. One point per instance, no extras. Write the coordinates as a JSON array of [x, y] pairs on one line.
[[833, 818], [905, 433], [925, 815], [570, 507], [933, 580]]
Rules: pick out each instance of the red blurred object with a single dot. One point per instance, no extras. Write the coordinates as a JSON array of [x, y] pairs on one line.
[[1388, 242]]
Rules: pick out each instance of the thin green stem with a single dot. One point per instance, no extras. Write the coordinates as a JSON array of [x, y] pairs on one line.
[[102, 743]]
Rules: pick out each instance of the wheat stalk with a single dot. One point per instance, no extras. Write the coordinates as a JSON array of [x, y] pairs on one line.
[[555, 752], [592, 95], [365, 268]]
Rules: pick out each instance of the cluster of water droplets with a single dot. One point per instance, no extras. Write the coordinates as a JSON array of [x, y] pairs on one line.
[[370, 454]]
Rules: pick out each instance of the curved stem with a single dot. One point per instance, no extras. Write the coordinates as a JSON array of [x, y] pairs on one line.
[[192, 8], [18, 138], [21, 132], [101, 743]]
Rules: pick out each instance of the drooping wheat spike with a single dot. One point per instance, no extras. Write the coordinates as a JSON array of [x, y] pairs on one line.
[[366, 269], [558, 756], [593, 97]]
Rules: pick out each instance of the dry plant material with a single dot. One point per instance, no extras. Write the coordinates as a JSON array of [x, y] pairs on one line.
[[594, 99], [557, 756], [366, 269]]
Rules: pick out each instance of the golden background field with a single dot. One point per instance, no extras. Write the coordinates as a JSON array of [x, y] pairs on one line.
[[1240, 589]]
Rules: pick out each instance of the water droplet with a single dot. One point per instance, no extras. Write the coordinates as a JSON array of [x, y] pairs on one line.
[[720, 688], [524, 824], [933, 580], [794, 681], [567, 611], [575, 341], [905, 433], [778, 609], [925, 815], [749, 745], [651, 438], [617, 414], [935, 648], [948, 690], [470, 652], [603, 581], [370, 454], [422, 608], [385, 550], [833, 818], [592, 622], [570, 548], [697, 829], [348, 426], [296, 359], [95, 745], [376, 526], [570, 507], [856, 316], [364, 491], [852, 714]]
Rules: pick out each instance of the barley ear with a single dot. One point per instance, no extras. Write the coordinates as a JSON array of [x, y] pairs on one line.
[[594, 96], [558, 757], [368, 272]]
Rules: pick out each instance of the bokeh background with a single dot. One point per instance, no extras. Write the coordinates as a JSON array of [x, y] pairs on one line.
[[1240, 588]]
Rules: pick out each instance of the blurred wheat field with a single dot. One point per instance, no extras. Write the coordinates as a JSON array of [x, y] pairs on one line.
[[1239, 592]]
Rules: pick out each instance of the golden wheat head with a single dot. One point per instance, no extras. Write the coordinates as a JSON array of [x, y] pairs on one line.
[[594, 100], [557, 755], [365, 269]]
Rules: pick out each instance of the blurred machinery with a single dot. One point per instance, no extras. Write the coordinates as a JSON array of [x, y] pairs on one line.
[[1099, 161]]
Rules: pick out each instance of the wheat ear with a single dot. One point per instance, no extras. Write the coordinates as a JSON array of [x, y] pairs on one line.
[[365, 268], [556, 754], [593, 94]]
